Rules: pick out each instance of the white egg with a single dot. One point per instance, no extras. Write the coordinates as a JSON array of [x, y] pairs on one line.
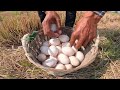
[[66, 44], [50, 62], [59, 48], [64, 38], [53, 51], [46, 43], [80, 56], [68, 51], [63, 59], [68, 66], [54, 41], [60, 66], [51, 57], [41, 57], [44, 50], [53, 27], [74, 61], [76, 50]]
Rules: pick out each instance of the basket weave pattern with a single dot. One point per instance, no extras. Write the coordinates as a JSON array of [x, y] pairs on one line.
[[32, 50]]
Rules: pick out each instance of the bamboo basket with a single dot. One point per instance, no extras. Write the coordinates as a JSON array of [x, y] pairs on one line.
[[31, 46]]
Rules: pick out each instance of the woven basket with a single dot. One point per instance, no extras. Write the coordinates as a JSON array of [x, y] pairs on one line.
[[32, 43]]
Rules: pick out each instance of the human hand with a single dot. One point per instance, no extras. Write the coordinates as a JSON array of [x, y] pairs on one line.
[[85, 29], [51, 18]]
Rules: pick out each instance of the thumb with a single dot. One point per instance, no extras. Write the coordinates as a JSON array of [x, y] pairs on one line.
[[58, 22]]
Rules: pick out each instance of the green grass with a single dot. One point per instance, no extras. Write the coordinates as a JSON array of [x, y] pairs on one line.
[[111, 46], [14, 64]]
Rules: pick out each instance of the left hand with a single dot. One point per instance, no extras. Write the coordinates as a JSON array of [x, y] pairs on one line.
[[85, 30]]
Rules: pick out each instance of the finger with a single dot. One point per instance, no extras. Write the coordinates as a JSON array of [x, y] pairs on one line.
[[52, 34], [73, 38], [48, 31], [58, 22], [92, 38], [89, 40], [60, 31], [86, 42], [80, 42]]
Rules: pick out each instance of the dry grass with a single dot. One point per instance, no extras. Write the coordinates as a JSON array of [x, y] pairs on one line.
[[14, 64], [14, 26]]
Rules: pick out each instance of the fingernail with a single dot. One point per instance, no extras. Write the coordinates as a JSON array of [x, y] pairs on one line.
[[57, 35], [60, 32]]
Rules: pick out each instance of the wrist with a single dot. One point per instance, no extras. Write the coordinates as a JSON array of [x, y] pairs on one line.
[[49, 12], [91, 15]]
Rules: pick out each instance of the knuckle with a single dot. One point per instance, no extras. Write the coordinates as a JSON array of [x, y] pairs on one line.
[[73, 34]]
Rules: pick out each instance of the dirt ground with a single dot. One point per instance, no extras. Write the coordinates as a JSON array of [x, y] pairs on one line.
[[15, 65]]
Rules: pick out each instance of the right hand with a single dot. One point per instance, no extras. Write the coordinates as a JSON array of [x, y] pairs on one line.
[[51, 18]]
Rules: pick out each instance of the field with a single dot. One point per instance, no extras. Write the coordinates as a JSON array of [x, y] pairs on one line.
[[14, 64]]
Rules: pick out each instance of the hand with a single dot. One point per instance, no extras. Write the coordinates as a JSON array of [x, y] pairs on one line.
[[85, 30], [51, 17]]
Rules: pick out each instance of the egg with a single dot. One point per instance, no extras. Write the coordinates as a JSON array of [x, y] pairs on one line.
[[63, 59], [60, 66], [68, 66], [53, 27], [66, 44], [68, 51], [51, 57], [64, 38], [59, 49], [50, 62], [53, 51], [80, 56], [44, 50], [54, 41], [41, 57], [74, 61], [76, 50], [46, 43]]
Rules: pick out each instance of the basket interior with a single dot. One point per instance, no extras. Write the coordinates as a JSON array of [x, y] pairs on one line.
[[34, 45]]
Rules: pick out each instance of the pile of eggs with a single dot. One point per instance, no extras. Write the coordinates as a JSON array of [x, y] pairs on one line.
[[59, 54]]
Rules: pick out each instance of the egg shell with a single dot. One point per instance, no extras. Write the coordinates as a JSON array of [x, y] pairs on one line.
[[53, 27], [54, 41], [44, 50], [66, 44], [51, 57], [63, 59], [80, 56], [53, 51], [41, 57], [60, 66], [68, 66], [64, 38], [76, 50], [74, 61], [68, 51], [59, 48], [50, 62], [46, 43]]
